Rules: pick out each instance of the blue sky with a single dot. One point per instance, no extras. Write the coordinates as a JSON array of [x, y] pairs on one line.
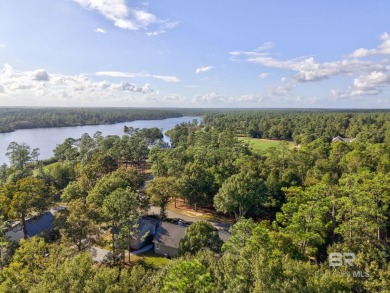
[[175, 53]]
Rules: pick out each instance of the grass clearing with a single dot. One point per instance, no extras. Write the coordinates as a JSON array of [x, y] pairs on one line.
[[261, 145], [151, 259], [46, 168]]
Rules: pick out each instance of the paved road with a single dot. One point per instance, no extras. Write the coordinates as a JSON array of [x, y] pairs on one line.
[[98, 254], [156, 211]]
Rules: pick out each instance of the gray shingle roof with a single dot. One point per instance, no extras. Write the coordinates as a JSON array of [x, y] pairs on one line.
[[169, 234], [344, 139], [34, 226]]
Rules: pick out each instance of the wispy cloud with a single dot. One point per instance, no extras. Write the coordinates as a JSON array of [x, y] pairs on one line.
[[265, 46], [280, 89], [163, 29], [263, 75], [211, 98], [119, 74], [2, 46], [249, 98], [371, 76], [203, 69], [174, 98], [126, 17], [166, 78], [100, 30]]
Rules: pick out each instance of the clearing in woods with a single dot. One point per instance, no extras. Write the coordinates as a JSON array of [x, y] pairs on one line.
[[261, 145]]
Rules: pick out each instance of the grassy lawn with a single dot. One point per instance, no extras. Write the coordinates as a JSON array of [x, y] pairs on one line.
[[261, 145], [151, 259], [46, 168]]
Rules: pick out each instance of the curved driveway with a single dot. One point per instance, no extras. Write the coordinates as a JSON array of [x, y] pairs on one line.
[[156, 211]]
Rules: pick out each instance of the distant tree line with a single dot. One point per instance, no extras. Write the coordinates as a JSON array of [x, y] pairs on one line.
[[24, 118]]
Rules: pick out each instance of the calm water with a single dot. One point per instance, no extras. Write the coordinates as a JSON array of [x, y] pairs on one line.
[[46, 139]]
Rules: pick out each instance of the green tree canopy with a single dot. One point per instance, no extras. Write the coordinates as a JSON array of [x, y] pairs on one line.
[[121, 178], [239, 193], [25, 198], [122, 211], [160, 190], [76, 224], [187, 276], [200, 235]]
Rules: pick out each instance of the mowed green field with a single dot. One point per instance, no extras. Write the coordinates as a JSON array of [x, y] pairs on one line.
[[261, 145]]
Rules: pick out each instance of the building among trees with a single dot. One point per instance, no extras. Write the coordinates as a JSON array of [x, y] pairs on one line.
[[343, 139]]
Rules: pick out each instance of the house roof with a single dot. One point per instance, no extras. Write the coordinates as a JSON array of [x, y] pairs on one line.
[[147, 223], [34, 225], [344, 139], [169, 234]]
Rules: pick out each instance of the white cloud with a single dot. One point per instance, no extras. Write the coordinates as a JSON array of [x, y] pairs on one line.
[[249, 98], [7, 70], [2, 46], [211, 98], [41, 85], [174, 98], [370, 76], [166, 78], [100, 30], [366, 84], [155, 33], [265, 46], [373, 79], [263, 75], [382, 49], [118, 74], [163, 29], [126, 86], [203, 69], [280, 89], [40, 75], [191, 86], [126, 17], [307, 69]]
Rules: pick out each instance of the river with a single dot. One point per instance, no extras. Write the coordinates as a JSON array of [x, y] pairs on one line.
[[46, 139]]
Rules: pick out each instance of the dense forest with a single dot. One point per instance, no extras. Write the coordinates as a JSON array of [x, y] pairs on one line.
[[22, 118], [305, 126], [309, 218]]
